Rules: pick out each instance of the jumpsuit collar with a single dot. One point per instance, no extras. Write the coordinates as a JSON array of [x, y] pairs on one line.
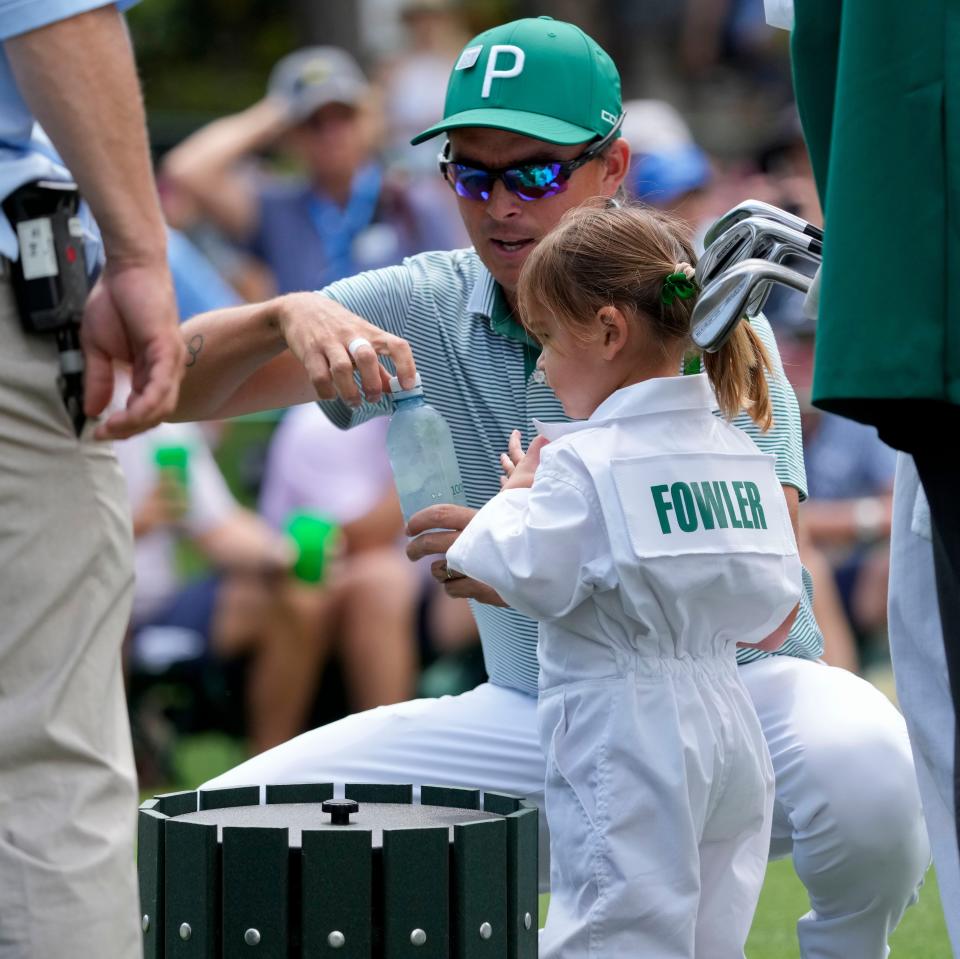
[[663, 394]]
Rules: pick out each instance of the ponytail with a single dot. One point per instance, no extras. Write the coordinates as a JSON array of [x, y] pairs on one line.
[[738, 374], [638, 259]]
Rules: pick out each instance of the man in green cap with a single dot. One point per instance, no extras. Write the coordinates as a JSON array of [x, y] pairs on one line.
[[532, 120]]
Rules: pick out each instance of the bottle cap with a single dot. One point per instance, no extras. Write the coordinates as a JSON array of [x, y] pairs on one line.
[[395, 386]]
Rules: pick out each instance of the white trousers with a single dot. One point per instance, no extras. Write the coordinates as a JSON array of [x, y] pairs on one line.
[[923, 688], [659, 794], [846, 805]]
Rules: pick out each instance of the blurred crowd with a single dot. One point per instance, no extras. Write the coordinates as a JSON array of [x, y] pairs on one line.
[[317, 181]]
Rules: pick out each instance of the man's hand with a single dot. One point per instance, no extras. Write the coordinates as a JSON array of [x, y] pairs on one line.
[[73, 73], [319, 331], [445, 523], [131, 316]]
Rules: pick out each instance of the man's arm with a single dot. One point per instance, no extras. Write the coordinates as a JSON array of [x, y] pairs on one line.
[[848, 521], [79, 80], [243, 541], [204, 165], [292, 349]]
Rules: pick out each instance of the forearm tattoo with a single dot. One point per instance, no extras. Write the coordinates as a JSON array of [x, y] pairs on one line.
[[193, 348]]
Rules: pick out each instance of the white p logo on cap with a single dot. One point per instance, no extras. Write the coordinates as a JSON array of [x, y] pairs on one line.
[[492, 72]]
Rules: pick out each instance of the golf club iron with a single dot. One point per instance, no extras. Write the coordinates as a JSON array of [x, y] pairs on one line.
[[750, 208], [723, 303], [752, 237], [777, 253]]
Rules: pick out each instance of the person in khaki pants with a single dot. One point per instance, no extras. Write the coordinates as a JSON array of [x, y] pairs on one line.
[[67, 785]]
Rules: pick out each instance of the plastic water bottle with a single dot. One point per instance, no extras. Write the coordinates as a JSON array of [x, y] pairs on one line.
[[421, 453]]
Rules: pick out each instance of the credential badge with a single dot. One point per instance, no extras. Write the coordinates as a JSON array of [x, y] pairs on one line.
[[469, 57]]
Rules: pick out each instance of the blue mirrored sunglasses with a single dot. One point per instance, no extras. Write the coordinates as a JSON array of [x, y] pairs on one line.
[[528, 181]]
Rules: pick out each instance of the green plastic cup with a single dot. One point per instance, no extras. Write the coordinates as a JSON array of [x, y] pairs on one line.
[[315, 536], [175, 460]]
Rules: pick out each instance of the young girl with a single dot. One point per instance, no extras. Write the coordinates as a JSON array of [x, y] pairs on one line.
[[648, 539]]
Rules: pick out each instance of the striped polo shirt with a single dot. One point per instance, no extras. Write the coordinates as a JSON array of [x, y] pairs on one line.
[[477, 366]]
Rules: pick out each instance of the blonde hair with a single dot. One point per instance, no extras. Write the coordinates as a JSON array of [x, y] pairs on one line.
[[620, 256]]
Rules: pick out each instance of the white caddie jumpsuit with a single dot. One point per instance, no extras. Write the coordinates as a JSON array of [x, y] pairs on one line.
[[655, 537]]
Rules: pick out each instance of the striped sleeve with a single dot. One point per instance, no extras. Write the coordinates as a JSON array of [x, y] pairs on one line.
[[784, 439], [383, 298], [804, 641]]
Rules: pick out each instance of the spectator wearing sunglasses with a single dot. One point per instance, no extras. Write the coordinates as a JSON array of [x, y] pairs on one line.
[[531, 116], [341, 213]]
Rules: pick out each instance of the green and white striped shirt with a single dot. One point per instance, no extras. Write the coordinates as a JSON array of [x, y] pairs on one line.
[[476, 364]]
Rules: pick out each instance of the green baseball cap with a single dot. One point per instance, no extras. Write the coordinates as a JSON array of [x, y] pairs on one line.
[[539, 77]]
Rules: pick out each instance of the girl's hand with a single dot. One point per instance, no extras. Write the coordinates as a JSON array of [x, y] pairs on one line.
[[518, 466]]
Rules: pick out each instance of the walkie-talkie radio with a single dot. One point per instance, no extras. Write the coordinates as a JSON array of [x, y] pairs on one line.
[[50, 276]]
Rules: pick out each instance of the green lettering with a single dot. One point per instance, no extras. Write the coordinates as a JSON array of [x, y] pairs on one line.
[[662, 506], [711, 492], [683, 507], [734, 522], [742, 503], [753, 496], [703, 506]]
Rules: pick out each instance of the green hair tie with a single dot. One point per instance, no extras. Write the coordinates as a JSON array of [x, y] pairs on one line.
[[677, 286]]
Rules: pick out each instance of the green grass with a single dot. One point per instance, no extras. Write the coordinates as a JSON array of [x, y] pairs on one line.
[[921, 935], [199, 758]]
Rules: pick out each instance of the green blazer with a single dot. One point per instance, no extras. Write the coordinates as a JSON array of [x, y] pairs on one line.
[[878, 88]]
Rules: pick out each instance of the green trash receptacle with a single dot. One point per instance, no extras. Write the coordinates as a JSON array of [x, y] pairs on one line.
[[371, 875]]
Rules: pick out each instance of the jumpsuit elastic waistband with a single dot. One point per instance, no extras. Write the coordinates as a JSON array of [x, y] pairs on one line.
[[641, 667]]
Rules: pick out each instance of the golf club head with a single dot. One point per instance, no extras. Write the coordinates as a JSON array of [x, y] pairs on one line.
[[750, 208], [727, 249], [750, 237], [776, 253], [723, 303]]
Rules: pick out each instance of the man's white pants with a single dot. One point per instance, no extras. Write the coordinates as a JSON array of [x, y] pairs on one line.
[[923, 688], [847, 806]]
